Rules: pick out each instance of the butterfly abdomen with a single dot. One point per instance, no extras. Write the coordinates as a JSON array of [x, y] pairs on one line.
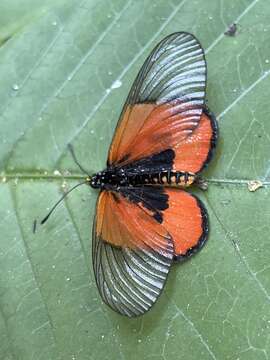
[[165, 178], [113, 179]]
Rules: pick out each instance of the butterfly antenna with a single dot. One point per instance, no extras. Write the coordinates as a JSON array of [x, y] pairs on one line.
[[70, 148], [87, 181], [59, 201]]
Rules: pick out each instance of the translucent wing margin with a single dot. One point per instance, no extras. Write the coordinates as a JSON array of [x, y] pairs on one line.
[[175, 69]]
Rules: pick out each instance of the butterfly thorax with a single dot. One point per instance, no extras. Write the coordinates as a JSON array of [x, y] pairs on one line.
[[113, 178], [109, 178]]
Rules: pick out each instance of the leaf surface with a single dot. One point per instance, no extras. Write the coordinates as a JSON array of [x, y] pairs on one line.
[[65, 70]]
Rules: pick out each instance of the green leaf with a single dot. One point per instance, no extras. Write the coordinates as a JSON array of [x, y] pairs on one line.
[[59, 64]]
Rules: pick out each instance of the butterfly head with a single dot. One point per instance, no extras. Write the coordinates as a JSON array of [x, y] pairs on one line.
[[110, 178], [96, 181]]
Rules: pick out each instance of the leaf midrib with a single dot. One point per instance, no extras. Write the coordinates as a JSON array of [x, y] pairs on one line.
[[41, 177]]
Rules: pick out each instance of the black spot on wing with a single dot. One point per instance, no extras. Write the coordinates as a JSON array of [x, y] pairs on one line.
[[155, 163], [158, 216], [152, 198]]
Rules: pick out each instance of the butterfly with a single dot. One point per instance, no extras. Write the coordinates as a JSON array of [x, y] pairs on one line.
[[145, 219]]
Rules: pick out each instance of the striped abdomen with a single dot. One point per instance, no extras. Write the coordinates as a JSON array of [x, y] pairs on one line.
[[171, 178]]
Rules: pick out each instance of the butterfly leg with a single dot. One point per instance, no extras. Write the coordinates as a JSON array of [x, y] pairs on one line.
[[74, 157]]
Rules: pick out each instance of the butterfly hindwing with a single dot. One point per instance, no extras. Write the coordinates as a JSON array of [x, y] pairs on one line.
[[194, 153], [182, 214], [186, 220], [132, 251]]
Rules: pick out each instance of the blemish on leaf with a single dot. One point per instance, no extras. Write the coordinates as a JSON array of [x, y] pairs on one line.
[[231, 31], [64, 186], [15, 87], [56, 173], [254, 185]]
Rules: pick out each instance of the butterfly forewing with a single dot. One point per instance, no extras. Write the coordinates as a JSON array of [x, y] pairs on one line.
[[166, 100], [132, 253]]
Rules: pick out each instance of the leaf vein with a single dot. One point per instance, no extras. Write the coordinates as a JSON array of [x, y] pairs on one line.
[[242, 258], [198, 334], [32, 267], [243, 94]]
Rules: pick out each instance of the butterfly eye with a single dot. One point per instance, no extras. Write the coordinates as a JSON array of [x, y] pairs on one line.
[[95, 182]]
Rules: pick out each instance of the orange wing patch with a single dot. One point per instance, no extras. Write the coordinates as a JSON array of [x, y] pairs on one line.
[[149, 129], [186, 221], [192, 154], [124, 224], [130, 123]]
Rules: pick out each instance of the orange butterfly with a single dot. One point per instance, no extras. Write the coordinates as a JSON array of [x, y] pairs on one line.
[[144, 219], [164, 138]]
